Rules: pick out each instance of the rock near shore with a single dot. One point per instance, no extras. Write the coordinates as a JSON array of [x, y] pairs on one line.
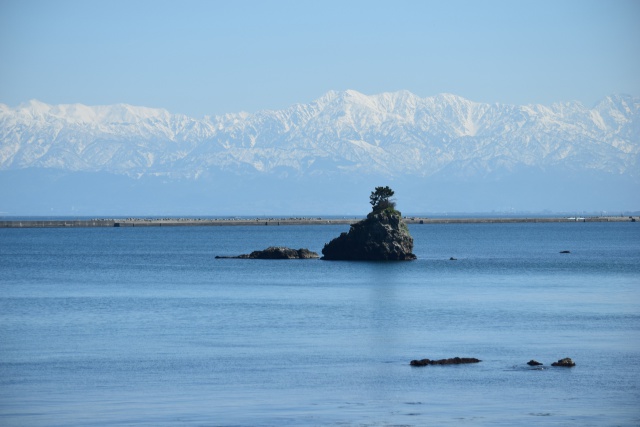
[[382, 236], [565, 363], [452, 361], [277, 252]]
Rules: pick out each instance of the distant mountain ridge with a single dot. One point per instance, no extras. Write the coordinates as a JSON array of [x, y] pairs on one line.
[[441, 154], [389, 134]]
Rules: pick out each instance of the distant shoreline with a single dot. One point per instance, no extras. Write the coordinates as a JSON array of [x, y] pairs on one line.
[[176, 222]]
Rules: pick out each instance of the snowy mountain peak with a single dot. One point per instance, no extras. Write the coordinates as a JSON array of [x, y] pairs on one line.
[[391, 133], [80, 113], [34, 108]]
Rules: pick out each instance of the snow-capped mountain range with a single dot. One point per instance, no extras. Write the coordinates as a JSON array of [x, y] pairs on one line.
[[390, 134]]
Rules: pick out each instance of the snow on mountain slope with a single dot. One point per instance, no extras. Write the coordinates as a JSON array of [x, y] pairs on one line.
[[394, 134]]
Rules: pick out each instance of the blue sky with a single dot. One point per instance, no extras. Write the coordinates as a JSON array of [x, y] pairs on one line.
[[213, 57]]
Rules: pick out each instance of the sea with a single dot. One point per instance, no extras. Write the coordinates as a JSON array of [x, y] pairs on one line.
[[145, 327]]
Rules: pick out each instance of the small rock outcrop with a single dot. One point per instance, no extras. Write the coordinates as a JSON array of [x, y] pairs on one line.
[[277, 252], [383, 236], [452, 361], [566, 363], [533, 363]]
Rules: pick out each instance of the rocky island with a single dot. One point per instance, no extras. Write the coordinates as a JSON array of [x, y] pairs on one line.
[[276, 252], [382, 236]]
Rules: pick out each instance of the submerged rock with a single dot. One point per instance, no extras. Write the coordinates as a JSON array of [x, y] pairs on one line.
[[566, 362], [382, 236], [452, 361], [533, 363], [277, 252]]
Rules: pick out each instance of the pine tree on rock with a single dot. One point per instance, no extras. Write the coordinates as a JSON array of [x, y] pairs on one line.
[[380, 198]]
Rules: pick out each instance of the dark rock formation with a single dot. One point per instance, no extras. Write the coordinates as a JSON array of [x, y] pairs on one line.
[[275, 252], [533, 363], [566, 363], [383, 236], [453, 361]]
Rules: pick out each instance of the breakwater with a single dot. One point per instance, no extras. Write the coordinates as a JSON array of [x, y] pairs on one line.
[[56, 223], [174, 222]]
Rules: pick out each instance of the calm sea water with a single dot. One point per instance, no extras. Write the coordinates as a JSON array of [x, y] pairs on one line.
[[142, 326]]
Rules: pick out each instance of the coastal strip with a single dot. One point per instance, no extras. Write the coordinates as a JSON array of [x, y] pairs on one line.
[[174, 222]]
